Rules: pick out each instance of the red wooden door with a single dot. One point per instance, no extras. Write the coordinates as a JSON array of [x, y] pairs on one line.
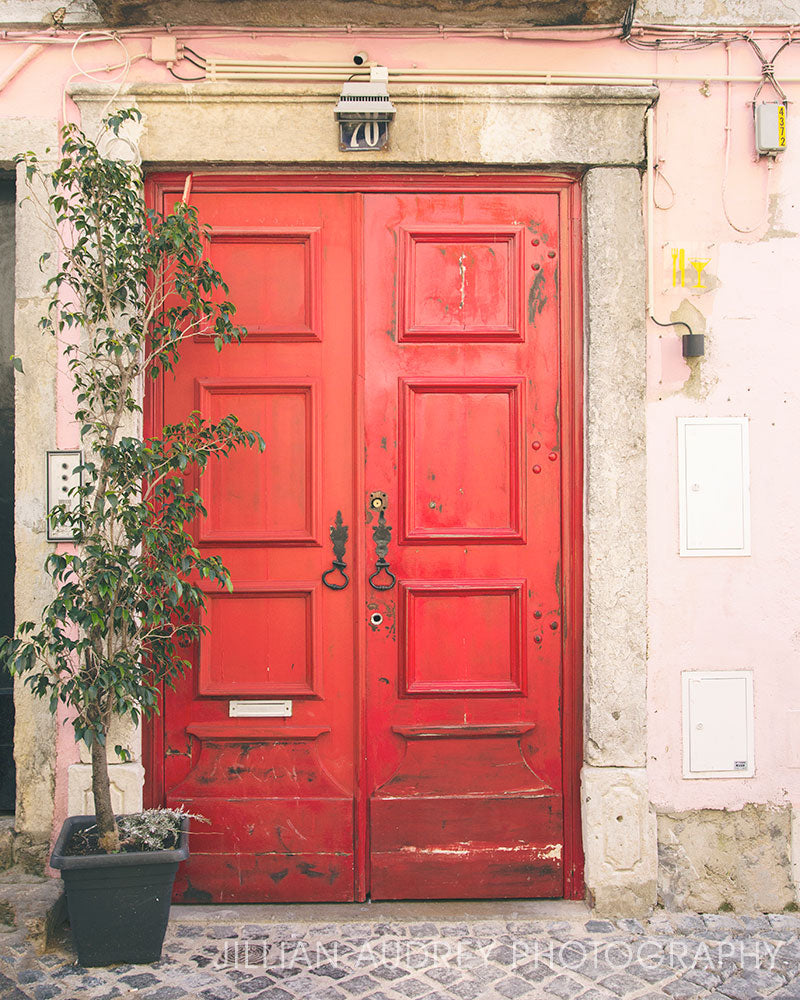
[[279, 792], [406, 349], [463, 674]]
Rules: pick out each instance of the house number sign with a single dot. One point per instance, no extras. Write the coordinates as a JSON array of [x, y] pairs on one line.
[[363, 135]]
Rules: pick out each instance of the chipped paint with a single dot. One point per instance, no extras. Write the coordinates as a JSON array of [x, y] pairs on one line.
[[548, 852], [462, 270], [536, 297]]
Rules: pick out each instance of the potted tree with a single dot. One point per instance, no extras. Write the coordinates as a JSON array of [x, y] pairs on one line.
[[129, 287]]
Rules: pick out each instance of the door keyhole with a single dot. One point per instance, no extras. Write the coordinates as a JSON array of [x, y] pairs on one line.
[[377, 500]]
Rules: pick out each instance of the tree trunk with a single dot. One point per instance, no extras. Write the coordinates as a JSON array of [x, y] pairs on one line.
[[101, 789]]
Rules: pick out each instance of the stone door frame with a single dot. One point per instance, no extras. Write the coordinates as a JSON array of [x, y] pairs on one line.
[[598, 131]]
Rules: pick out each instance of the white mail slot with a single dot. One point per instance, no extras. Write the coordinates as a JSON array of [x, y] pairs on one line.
[[259, 709]]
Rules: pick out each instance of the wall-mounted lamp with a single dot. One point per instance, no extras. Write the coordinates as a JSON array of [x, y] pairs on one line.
[[364, 112], [693, 345]]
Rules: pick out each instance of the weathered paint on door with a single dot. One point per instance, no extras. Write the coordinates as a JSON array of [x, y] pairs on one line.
[[463, 738], [405, 349], [279, 792]]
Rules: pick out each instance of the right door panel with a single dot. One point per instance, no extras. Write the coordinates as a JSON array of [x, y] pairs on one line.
[[464, 765]]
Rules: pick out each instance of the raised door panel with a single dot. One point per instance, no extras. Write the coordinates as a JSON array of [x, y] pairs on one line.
[[462, 637], [272, 497], [273, 277], [461, 439], [262, 641], [460, 284]]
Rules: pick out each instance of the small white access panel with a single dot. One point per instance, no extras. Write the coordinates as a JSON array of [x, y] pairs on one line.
[[718, 724], [714, 486]]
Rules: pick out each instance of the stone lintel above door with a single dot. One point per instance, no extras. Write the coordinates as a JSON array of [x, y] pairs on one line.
[[281, 125]]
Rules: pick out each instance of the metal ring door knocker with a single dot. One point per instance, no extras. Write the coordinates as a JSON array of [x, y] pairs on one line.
[[339, 539], [382, 535]]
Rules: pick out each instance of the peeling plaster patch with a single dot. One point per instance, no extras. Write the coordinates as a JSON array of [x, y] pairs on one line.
[[711, 283], [783, 217], [787, 213], [712, 858], [700, 383]]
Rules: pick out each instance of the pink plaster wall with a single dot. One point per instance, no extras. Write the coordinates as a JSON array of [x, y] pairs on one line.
[[736, 612], [712, 613]]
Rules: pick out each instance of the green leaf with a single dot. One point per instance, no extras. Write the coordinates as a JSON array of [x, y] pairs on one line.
[[17, 363]]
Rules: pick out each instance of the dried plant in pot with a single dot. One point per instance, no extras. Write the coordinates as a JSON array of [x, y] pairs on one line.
[[129, 287]]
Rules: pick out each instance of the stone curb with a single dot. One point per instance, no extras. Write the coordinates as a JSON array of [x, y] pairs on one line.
[[35, 903]]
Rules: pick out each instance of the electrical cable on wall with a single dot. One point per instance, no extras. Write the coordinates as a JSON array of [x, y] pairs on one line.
[[201, 64], [659, 174], [627, 20], [767, 76], [123, 68], [768, 67]]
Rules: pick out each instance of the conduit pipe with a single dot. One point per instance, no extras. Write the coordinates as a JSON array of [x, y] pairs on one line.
[[533, 31], [20, 63], [257, 69], [424, 76], [649, 206], [218, 70]]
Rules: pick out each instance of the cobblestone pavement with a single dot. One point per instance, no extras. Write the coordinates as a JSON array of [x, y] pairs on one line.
[[410, 953]]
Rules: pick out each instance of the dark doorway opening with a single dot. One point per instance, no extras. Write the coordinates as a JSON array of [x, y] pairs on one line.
[[7, 255]]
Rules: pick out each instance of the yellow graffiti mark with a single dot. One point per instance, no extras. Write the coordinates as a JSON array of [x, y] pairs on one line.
[[679, 263], [698, 265]]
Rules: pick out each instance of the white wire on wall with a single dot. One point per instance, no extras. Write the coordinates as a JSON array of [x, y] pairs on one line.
[[122, 69], [727, 157]]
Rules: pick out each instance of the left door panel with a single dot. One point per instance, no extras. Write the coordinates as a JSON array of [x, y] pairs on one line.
[[278, 792]]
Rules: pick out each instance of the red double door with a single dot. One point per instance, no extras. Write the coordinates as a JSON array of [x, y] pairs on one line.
[[409, 364]]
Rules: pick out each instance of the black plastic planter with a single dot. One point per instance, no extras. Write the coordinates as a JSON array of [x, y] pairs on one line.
[[118, 903]]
